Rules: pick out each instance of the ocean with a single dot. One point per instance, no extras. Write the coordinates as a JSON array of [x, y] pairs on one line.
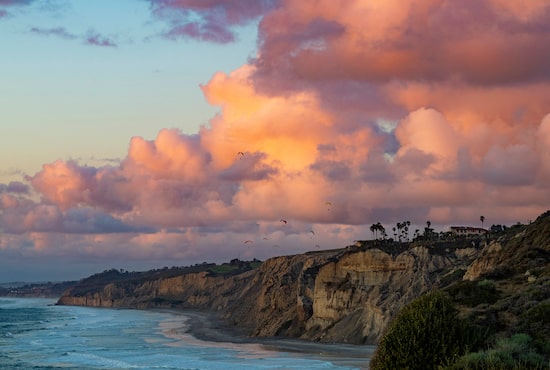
[[36, 334]]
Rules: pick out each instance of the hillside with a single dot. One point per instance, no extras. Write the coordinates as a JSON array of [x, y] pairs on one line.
[[507, 288], [351, 294]]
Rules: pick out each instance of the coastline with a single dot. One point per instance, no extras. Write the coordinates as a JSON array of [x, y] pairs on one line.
[[201, 326]]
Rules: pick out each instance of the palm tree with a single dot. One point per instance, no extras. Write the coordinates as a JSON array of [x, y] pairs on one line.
[[482, 219], [382, 230], [400, 227], [372, 228], [427, 230]]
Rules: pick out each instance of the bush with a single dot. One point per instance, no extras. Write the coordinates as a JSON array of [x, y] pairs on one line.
[[426, 334], [512, 353], [452, 277], [471, 293], [536, 323]]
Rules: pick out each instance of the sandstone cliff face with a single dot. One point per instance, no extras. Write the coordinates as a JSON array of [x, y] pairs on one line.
[[195, 290], [347, 295], [356, 296], [486, 263]]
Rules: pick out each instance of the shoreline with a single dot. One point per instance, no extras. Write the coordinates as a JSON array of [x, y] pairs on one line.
[[203, 326]]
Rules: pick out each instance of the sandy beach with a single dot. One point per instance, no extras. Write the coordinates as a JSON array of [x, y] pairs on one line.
[[198, 326]]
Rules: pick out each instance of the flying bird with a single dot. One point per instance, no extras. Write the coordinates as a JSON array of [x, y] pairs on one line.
[[283, 221]]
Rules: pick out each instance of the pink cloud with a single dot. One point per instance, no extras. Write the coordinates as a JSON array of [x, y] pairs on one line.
[[211, 21], [95, 39], [64, 183], [269, 157], [473, 41], [542, 145]]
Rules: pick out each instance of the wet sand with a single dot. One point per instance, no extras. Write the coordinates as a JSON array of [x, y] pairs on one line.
[[199, 326]]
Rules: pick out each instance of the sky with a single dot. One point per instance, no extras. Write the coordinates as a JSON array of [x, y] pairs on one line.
[[139, 134]]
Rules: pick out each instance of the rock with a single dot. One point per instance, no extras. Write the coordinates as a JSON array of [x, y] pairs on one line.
[[486, 263]]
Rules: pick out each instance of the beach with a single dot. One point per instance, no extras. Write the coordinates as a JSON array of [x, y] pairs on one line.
[[202, 326]]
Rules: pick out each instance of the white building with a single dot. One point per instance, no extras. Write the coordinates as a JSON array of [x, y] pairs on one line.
[[467, 230]]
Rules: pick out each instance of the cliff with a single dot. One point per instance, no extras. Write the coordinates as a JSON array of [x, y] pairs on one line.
[[344, 295]]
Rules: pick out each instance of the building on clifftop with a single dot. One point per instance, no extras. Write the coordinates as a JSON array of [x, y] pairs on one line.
[[467, 230]]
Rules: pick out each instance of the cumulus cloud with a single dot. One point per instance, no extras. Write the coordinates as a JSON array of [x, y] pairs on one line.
[[479, 42]]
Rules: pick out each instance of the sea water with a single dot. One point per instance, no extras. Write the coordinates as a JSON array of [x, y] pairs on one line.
[[37, 334]]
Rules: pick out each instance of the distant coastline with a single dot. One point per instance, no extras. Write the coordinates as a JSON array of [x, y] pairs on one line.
[[38, 290]]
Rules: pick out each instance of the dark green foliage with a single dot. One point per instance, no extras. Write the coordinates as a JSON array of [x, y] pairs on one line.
[[451, 277], [425, 334], [513, 353], [536, 322], [501, 272], [544, 215], [234, 267], [128, 280], [473, 293]]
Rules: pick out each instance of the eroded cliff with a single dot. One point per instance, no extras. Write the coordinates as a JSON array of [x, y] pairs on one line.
[[345, 295]]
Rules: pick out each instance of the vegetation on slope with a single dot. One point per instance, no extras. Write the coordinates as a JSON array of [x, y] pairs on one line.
[[426, 334], [131, 279], [505, 313]]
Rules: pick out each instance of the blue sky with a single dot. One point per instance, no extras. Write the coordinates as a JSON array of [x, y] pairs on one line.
[[63, 98]]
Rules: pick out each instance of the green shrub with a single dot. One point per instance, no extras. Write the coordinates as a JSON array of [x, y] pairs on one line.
[[512, 353], [471, 293], [452, 277], [486, 284], [536, 323], [425, 334]]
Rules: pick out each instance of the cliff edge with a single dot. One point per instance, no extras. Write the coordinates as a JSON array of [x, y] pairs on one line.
[[344, 295]]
